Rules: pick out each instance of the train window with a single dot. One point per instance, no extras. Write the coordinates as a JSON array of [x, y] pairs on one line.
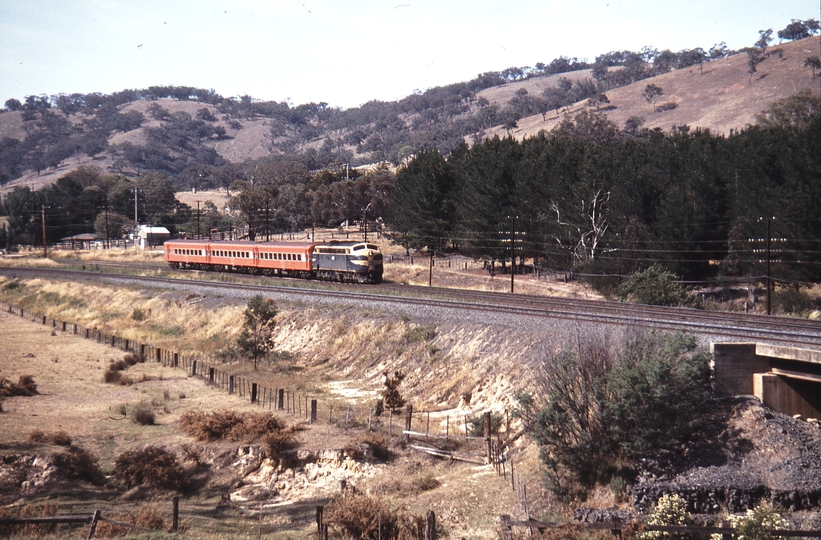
[[371, 246]]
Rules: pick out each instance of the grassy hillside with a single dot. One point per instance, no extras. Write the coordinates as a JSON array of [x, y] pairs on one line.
[[176, 134]]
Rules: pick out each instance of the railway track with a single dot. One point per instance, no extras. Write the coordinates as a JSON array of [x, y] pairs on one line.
[[715, 325]]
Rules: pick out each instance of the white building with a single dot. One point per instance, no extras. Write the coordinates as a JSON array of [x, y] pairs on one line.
[[148, 237]]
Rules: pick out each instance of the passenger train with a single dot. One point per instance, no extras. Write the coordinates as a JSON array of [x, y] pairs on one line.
[[354, 262]]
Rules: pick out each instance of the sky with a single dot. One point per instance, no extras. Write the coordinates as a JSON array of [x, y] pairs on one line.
[[344, 53]]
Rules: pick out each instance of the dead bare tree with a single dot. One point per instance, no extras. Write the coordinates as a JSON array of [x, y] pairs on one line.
[[587, 233]]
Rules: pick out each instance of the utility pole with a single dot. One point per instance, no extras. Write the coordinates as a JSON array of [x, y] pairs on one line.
[[45, 245], [430, 270], [136, 223], [365, 218], [198, 220], [512, 251], [769, 282], [107, 241]]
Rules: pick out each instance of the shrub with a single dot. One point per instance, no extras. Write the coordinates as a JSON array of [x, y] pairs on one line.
[[669, 510], [655, 286], [131, 359], [759, 523], [229, 425], [361, 516], [149, 516], [596, 412], [112, 376], [60, 438], [143, 414], [138, 315], [390, 396], [793, 300], [25, 386], [150, 466], [476, 425], [420, 333], [424, 483], [278, 442], [80, 463], [118, 365], [379, 445]]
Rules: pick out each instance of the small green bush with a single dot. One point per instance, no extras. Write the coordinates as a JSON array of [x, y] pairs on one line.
[[138, 314], [655, 286], [793, 300], [476, 425]]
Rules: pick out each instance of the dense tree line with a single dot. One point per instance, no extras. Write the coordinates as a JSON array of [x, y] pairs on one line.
[[86, 201], [594, 198]]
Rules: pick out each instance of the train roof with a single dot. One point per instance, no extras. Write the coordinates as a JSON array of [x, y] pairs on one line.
[[244, 244]]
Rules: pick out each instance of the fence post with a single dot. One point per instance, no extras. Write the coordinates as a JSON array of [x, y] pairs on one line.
[[159, 354], [194, 368], [175, 513], [486, 422], [281, 399], [95, 518], [253, 392], [430, 526], [230, 384], [313, 411], [176, 359], [504, 526], [408, 418]]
